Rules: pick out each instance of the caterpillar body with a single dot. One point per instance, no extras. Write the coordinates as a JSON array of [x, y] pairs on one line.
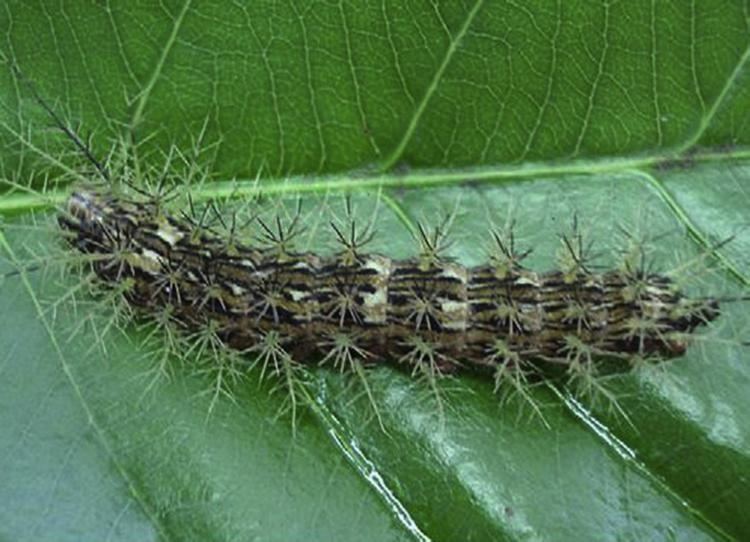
[[427, 312]]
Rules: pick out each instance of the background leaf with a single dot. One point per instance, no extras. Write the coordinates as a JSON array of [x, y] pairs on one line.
[[630, 112]]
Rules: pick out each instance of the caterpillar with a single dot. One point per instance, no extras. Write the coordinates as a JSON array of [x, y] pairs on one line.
[[429, 313]]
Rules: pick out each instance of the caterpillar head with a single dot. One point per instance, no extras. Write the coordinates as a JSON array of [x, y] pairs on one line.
[[105, 226], [94, 220]]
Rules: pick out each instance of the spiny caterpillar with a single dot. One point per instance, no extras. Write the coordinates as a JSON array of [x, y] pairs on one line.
[[429, 314]]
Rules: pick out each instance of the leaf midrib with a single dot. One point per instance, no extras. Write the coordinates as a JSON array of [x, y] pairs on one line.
[[22, 199]]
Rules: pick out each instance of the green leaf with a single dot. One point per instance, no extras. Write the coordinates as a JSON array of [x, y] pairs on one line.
[[628, 113]]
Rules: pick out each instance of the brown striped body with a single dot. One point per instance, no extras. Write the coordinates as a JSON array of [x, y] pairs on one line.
[[390, 309]]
